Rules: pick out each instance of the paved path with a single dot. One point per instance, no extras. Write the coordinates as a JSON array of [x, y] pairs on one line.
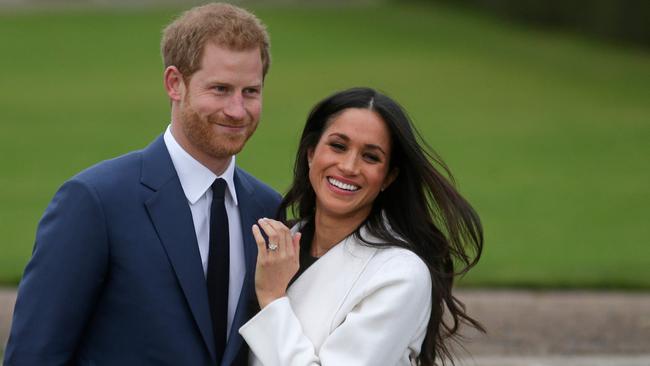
[[527, 328], [602, 360], [559, 323], [7, 300]]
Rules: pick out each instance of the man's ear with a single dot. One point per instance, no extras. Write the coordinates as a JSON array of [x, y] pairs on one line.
[[174, 84], [390, 178]]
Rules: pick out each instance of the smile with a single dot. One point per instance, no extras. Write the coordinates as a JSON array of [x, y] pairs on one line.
[[233, 129], [341, 185], [230, 126]]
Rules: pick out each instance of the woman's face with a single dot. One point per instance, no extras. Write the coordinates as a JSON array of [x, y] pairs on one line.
[[349, 165]]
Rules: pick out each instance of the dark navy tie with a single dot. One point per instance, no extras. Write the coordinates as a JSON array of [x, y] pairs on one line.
[[218, 267]]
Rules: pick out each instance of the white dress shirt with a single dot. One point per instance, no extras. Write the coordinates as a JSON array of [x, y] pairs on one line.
[[196, 181]]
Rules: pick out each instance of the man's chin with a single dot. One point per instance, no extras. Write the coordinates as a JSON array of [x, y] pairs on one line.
[[222, 151]]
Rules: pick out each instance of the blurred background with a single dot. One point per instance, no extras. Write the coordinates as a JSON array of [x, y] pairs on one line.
[[540, 108]]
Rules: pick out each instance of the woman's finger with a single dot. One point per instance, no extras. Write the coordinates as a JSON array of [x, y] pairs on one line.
[[270, 233], [259, 239], [296, 243], [283, 236]]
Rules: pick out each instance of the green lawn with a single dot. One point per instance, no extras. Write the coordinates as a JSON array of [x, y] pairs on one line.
[[548, 134]]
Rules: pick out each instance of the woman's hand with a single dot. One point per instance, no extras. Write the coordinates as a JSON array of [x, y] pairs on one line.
[[277, 261]]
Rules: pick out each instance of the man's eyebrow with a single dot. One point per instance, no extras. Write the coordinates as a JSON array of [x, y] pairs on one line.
[[230, 85], [217, 82]]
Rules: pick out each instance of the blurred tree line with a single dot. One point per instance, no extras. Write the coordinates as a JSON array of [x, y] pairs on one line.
[[621, 20]]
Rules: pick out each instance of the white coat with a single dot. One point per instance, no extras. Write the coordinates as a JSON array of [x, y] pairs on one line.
[[355, 306]]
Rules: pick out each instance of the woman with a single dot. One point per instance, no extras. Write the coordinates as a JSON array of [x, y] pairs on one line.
[[381, 235]]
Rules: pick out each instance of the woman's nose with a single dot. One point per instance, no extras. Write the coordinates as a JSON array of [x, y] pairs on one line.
[[349, 164]]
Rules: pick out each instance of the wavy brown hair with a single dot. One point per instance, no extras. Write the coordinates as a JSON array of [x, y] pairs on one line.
[[424, 211], [226, 25]]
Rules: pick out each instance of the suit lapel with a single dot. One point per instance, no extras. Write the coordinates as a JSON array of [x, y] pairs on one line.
[[172, 218], [249, 212]]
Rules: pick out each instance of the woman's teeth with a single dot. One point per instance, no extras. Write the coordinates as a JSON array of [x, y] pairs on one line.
[[339, 184]]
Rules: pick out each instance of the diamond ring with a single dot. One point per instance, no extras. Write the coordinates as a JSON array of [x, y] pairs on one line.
[[273, 247]]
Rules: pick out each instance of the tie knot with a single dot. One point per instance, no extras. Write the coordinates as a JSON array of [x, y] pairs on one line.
[[219, 189]]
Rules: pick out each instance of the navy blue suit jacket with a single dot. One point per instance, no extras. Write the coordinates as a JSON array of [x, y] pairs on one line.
[[116, 277]]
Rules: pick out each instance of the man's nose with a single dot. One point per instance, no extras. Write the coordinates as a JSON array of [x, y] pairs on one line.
[[235, 107]]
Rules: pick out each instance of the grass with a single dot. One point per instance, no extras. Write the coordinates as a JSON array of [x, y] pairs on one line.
[[547, 134]]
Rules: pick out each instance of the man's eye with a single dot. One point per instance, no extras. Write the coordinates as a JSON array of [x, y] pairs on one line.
[[251, 91], [220, 88]]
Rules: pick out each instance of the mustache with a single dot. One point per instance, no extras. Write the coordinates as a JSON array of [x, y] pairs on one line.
[[224, 120]]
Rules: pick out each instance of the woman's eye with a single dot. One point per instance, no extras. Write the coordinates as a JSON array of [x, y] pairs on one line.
[[372, 158], [337, 146]]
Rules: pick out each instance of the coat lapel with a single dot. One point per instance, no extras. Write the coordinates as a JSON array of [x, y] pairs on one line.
[[322, 289], [171, 216], [337, 270]]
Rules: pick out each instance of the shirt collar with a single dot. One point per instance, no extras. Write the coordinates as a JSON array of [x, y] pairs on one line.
[[195, 178]]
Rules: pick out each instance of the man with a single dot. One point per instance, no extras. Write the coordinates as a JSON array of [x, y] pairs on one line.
[[147, 259]]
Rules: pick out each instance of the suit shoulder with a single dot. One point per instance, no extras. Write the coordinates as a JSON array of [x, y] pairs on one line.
[[261, 189], [112, 171]]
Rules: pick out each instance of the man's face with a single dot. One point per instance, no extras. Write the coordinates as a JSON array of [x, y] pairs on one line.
[[222, 103]]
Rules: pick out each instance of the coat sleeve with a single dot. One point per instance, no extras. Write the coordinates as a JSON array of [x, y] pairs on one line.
[[393, 310], [62, 280]]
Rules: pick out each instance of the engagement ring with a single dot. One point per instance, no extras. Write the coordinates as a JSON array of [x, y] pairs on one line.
[[273, 247]]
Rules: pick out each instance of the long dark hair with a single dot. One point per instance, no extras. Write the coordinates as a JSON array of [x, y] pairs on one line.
[[423, 210]]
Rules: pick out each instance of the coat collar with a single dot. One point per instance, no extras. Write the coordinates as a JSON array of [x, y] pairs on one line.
[[195, 177], [157, 167], [347, 259], [352, 245]]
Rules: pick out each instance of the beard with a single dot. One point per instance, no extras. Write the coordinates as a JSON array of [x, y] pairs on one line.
[[201, 133]]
